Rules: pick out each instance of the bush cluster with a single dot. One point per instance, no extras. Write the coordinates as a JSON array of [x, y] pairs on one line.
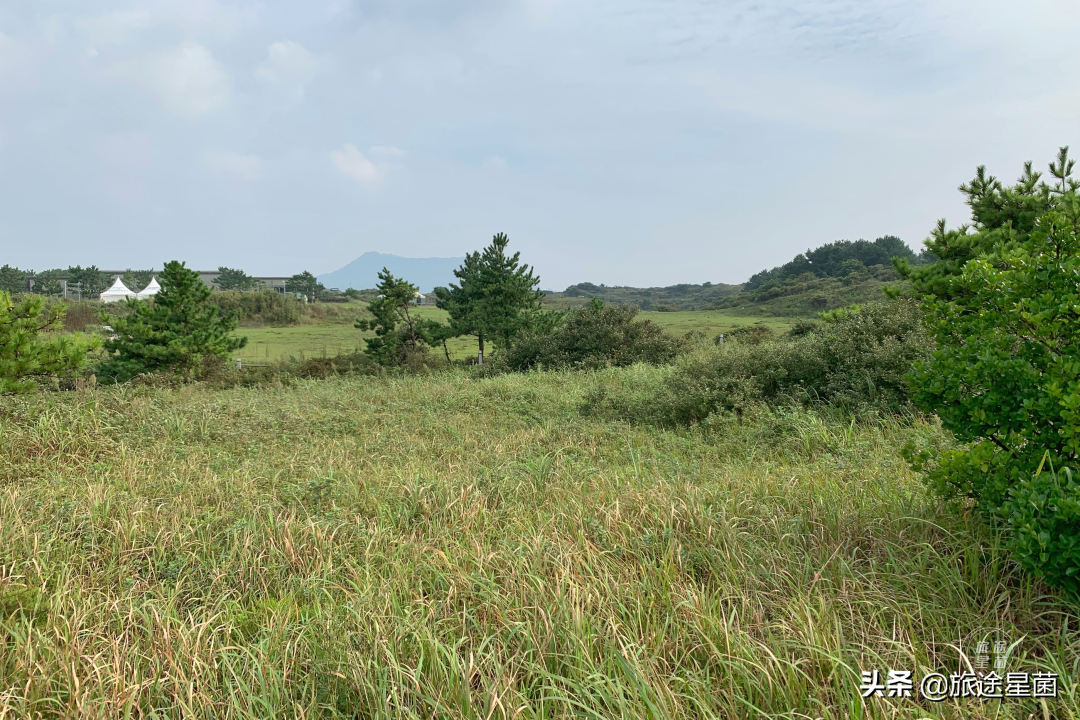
[[855, 360], [1005, 380], [594, 336]]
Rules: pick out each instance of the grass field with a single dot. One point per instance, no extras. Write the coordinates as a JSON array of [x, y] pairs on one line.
[[265, 344], [441, 547]]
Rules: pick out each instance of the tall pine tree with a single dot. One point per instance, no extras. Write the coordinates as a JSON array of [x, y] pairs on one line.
[[495, 298], [178, 331]]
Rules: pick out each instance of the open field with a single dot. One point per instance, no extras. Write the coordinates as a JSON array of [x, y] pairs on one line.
[[441, 547], [316, 340]]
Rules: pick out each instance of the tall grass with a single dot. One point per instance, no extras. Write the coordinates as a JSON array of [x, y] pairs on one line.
[[443, 547]]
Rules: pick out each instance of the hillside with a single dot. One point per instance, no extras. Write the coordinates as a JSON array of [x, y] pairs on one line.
[[828, 277], [674, 297], [361, 273]]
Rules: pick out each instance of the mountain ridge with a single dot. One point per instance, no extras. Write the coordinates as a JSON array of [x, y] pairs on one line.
[[362, 273]]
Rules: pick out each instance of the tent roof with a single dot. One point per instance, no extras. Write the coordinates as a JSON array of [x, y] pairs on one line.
[[152, 289], [119, 288]]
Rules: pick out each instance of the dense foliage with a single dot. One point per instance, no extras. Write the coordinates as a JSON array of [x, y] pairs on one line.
[[267, 307], [178, 331], [836, 259], [88, 282], [28, 355], [1005, 378], [856, 360], [684, 296], [595, 336], [12, 279], [306, 284], [235, 279], [47, 282]]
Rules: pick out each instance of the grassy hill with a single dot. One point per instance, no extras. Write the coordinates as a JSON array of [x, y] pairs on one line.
[[674, 297], [447, 547]]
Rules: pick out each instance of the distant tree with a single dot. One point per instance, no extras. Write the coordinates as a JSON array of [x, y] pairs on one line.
[[233, 279], [180, 332], [396, 329], [495, 297], [48, 282], [12, 279], [307, 284], [89, 281], [137, 280], [31, 348]]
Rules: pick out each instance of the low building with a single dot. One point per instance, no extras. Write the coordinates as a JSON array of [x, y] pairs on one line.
[[268, 283]]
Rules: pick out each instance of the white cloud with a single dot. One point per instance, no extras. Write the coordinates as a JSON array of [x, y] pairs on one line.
[[189, 81], [228, 162], [540, 11], [354, 164], [387, 151], [15, 60], [494, 163], [289, 67], [189, 17]]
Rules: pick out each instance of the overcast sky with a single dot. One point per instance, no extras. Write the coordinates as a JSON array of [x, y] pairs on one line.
[[638, 142]]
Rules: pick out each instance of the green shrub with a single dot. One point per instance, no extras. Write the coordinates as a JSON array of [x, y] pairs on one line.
[[1005, 380], [594, 336], [856, 360], [30, 351], [751, 334], [178, 331], [267, 307]]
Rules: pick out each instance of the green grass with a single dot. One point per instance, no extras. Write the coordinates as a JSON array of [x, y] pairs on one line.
[[267, 344], [440, 547]]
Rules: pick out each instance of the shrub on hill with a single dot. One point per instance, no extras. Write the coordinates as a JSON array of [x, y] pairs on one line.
[[838, 259], [674, 297], [855, 360], [595, 336]]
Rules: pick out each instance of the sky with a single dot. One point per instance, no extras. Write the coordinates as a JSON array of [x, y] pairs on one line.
[[625, 142]]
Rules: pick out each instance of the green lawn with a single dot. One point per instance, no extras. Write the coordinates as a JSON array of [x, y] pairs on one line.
[[266, 344]]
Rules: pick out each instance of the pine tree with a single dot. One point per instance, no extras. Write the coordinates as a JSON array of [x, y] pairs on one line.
[[509, 292], [88, 282], [397, 332], [178, 331], [307, 284], [1002, 219], [47, 282], [234, 279], [12, 279], [27, 354], [495, 298]]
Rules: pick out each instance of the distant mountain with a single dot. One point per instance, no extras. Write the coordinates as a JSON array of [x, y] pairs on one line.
[[363, 272]]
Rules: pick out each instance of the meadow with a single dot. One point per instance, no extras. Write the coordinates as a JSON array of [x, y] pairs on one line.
[[445, 547], [266, 344]]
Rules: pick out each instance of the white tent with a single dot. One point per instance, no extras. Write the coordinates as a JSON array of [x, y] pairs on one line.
[[152, 289], [118, 291]]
